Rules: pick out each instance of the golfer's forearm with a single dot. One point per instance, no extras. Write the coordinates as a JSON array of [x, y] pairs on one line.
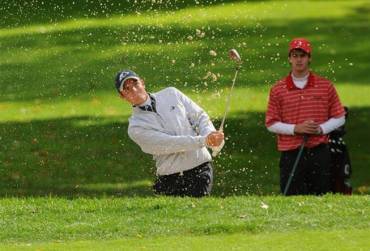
[[174, 145], [332, 124], [158, 143], [197, 115], [205, 125], [282, 128]]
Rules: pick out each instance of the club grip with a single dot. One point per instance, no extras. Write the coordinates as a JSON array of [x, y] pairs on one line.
[[217, 149]]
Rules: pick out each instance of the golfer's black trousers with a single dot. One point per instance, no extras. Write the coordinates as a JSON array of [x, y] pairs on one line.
[[313, 173], [196, 182]]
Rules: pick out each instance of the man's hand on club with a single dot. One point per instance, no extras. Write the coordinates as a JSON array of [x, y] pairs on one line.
[[215, 139], [307, 127]]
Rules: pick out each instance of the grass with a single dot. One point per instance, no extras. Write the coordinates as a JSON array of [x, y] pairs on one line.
[[71, 178], [355, 240], [57, 219]]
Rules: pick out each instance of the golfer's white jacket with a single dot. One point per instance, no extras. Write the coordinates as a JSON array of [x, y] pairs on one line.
[[175, 135]]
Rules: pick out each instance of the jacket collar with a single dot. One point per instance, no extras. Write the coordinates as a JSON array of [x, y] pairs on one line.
[[152, 107]]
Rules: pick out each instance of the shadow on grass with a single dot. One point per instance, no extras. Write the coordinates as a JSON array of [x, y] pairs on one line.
[[61, 158], [72, 63]]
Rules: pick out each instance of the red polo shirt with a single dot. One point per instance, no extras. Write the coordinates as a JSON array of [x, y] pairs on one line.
[[317, 101]]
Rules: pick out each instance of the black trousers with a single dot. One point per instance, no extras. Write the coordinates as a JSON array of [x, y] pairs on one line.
[[196, 182], [313, 173]]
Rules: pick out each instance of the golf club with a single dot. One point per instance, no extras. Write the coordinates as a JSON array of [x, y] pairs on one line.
[[305, 138], [234, 55]]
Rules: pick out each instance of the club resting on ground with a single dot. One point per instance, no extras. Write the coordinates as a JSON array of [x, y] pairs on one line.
[[292, 173], [234, 55]]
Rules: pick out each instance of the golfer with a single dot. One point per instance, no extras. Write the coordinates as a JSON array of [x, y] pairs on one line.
[[176, 131], [304, 105]]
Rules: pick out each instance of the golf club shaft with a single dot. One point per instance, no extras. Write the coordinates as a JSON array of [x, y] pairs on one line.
[[305, 138], [217, 150], [227, 108]]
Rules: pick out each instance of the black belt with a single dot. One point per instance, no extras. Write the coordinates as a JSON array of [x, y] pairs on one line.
[[196, 169]]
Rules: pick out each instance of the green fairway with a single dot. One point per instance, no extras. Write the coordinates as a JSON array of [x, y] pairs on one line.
[[70, 178]]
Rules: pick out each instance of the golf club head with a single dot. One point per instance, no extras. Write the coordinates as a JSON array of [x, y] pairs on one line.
[[234, 55]]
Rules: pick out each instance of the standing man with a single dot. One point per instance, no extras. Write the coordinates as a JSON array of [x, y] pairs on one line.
[[176, 131], [304, 105]]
